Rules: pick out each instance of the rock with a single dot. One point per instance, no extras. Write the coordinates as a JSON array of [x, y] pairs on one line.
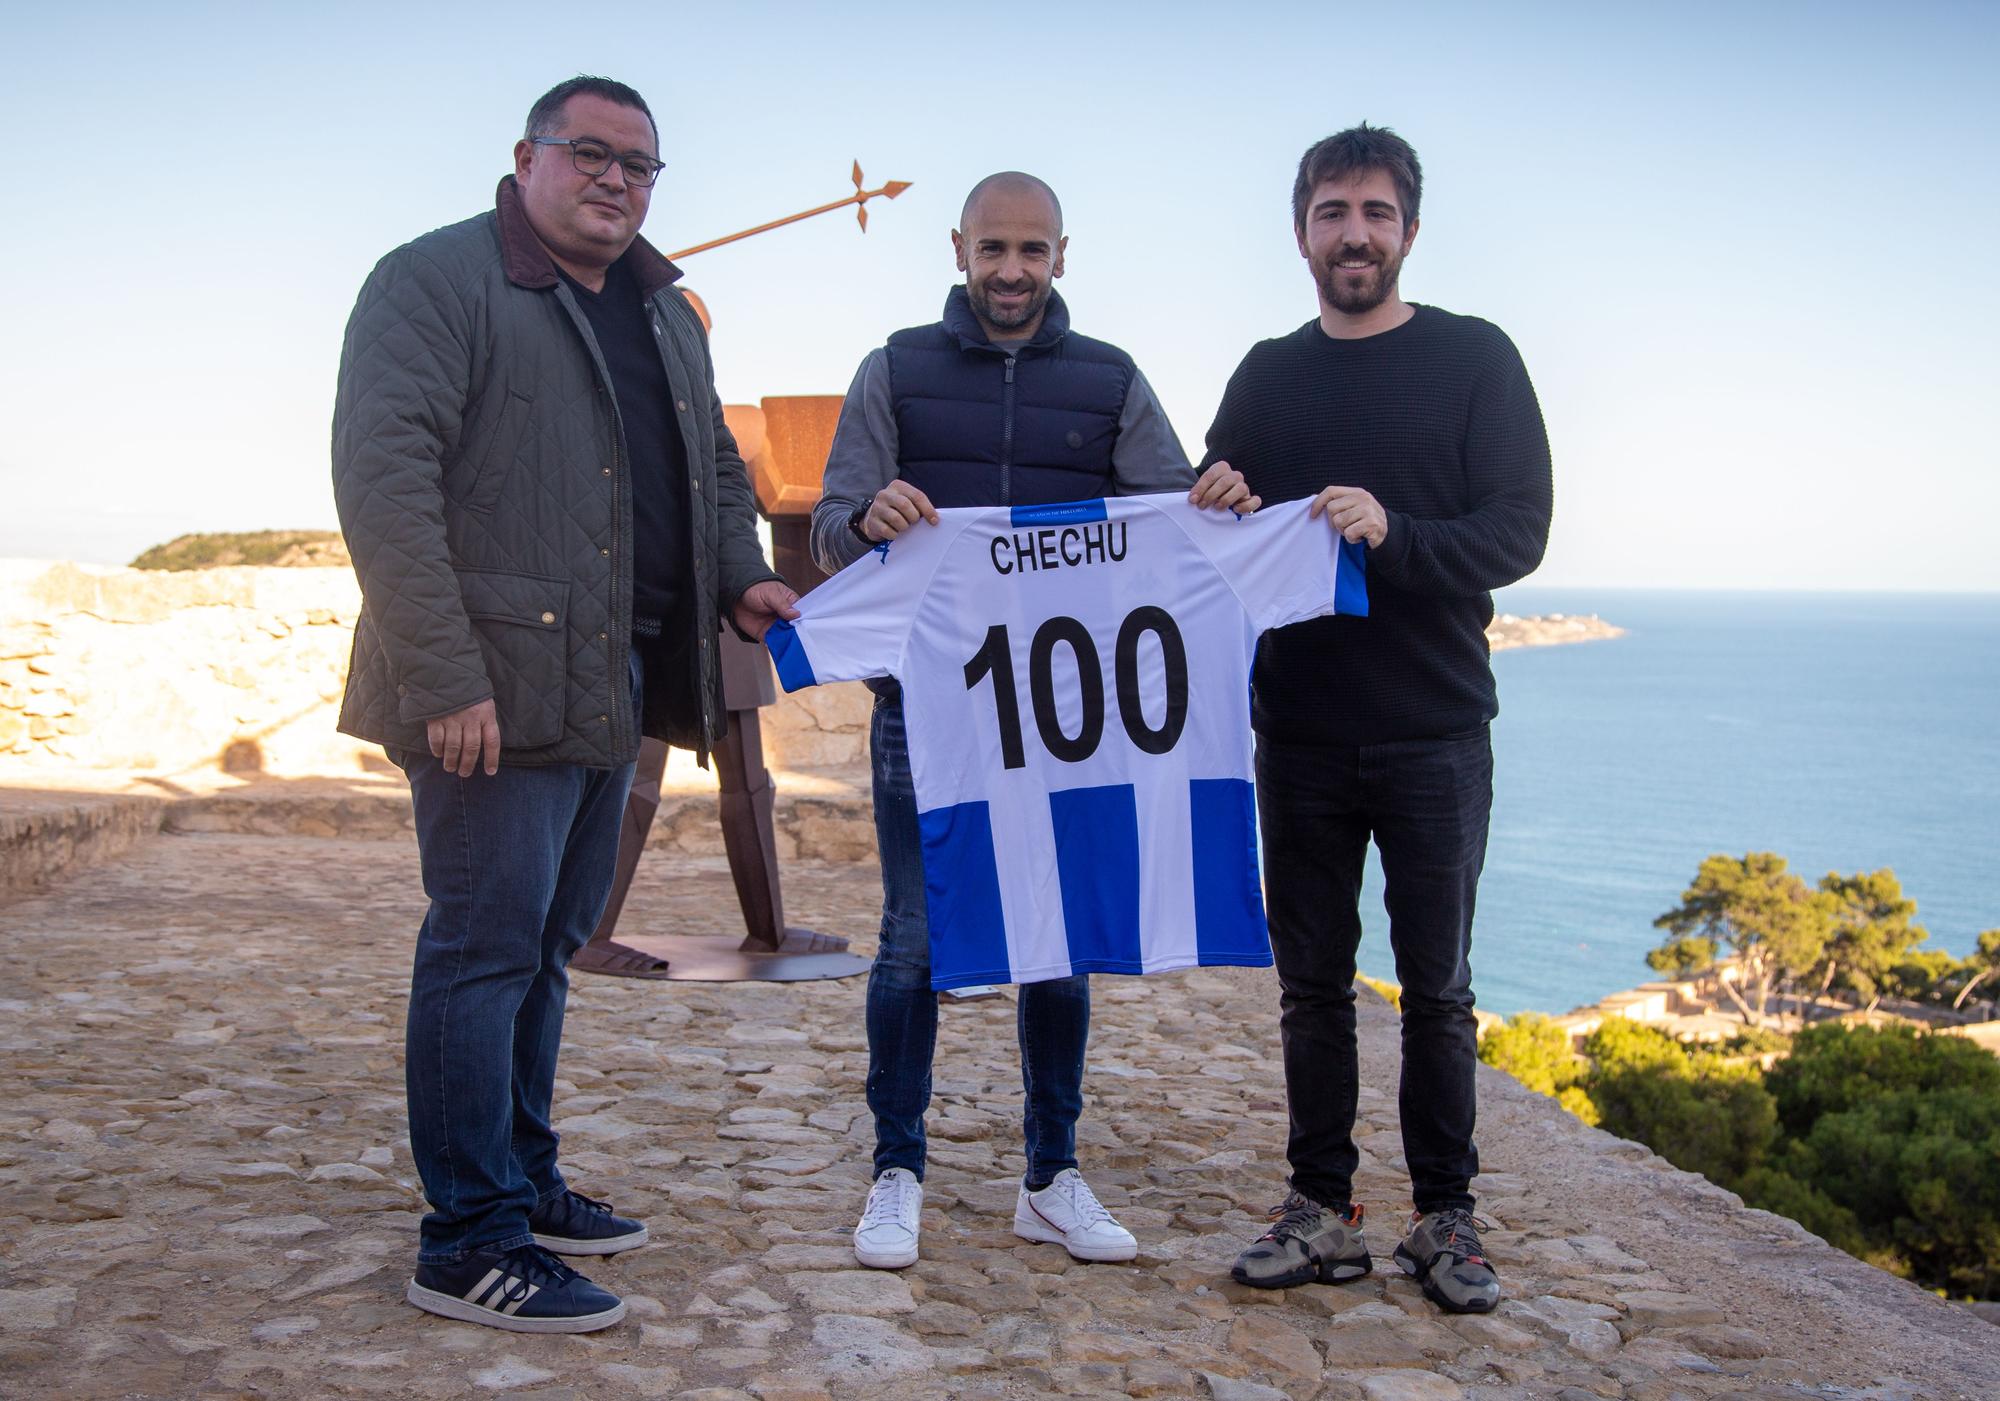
[[873, 1293], [809, 1257], [277, 1330], [34, 1310], [861, 1350], [1090, 1345], [647, 1381], [1656, 1308], [1410, 1386], [1722, 1340], [1154, 1378], [511, 1371], [1269, 1342], [1232, 1389], [344, 1172], [951, 1320], [275, 1227]]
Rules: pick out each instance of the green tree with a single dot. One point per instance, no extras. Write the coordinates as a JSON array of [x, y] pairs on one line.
[[1920, 1174], [1871, 932], [1983, 964], [1771, 921], [1535, 1051], [1696, 1110], [1835, 1068]]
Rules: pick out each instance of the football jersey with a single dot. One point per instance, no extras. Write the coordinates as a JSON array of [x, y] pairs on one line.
[[1076, 694]]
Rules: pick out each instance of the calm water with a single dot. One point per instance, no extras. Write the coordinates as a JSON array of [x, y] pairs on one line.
[[1845, 732]]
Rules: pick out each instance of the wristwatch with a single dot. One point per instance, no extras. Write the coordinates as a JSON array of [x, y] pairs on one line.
[[859, 514]]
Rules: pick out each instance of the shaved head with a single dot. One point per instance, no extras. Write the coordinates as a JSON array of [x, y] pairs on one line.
[[1009, 182]]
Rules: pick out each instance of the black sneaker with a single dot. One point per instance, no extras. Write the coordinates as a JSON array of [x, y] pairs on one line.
[[1443, 1252], [570, 1223], [524, 1290], [1307, 1242]]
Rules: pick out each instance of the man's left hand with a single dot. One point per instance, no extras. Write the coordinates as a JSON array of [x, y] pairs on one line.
[[1222, 488], [1352, 512], [762, 605]]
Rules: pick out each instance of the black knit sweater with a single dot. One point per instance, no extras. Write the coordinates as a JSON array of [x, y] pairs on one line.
[[1438, 420]]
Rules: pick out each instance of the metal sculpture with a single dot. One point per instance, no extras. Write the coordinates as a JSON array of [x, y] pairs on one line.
[[784, 445]]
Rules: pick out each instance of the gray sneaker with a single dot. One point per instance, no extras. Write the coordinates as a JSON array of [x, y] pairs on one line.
[[1443, 1253], [1306, 1242]]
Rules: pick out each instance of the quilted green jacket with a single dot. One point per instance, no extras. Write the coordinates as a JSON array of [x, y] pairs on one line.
[[481, 480]]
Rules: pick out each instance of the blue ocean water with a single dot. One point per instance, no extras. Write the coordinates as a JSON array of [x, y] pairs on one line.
[[1843, 731]]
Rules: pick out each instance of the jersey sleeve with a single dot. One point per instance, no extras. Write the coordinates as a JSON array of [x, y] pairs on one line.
[[1284, 566], [857, 624]]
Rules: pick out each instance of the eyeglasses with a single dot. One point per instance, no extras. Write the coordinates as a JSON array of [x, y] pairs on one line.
[[594, 158]]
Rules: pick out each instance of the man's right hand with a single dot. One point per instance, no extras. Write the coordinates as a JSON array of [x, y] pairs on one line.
[[896, 508], [460, 738]]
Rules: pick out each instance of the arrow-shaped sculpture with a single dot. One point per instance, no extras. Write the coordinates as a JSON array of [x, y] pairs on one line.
[[859, 199]]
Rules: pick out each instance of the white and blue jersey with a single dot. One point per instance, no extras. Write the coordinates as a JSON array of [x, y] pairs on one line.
[[1076, 691]]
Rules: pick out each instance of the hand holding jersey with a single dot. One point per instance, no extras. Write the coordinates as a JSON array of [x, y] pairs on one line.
[[1103, 822]]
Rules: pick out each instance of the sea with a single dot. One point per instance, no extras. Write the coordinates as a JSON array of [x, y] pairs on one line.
[[1845, 732]]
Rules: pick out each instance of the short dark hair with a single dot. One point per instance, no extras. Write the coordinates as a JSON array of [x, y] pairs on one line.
[[547, 113], [1356, 151]]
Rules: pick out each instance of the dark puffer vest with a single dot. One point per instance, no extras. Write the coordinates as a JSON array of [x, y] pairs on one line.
[[974, 428]]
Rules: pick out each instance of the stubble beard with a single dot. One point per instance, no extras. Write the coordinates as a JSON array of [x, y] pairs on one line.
[[1010, 320], [1358, 299]]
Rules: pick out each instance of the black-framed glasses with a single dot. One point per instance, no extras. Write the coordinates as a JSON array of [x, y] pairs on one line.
[[594, 158]]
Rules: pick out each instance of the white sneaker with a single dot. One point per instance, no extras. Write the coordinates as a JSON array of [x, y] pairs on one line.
[[886, 1238], [1067, 1213]]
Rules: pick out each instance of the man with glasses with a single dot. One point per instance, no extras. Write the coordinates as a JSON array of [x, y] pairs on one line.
[[545, 510]]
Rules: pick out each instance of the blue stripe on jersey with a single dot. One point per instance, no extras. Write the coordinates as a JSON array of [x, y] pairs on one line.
[[1097, 865], [1228, 906], [1059, 513], [795, 669], [962, 891], [1350, 579]]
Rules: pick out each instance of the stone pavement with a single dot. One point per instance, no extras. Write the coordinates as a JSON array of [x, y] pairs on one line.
[[204, 1190]]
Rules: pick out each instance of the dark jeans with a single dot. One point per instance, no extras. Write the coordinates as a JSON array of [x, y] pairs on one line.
[[1426, 804], [517, 866], [1052, 1018]]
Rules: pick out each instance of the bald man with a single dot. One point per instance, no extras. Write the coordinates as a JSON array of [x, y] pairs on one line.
[[998, 404]]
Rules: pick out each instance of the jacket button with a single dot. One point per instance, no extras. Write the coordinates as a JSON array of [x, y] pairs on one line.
[[604, 719], [607, 471], [697, 486], [402, 690], [548, 617], [681, 404], [604, 637], [605, 552]]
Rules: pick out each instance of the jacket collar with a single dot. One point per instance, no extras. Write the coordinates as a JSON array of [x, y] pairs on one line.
[[960, 321], [527, 262]]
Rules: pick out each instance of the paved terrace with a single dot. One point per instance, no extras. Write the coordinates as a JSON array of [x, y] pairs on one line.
[[204, 1189]]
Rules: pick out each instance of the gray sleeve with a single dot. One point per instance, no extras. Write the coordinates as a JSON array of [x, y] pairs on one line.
[[861, 462], [1147, 456]]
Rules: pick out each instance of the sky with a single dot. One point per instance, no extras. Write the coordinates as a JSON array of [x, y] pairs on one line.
[[1747, 250]]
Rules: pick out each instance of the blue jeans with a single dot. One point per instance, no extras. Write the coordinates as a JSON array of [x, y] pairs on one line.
[[517, 866], [1052, 1018], [1426, 804]]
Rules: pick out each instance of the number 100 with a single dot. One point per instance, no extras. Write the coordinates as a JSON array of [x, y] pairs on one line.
[[995, 658]]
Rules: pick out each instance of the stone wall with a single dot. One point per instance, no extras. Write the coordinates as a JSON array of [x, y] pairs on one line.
[[239, 669]]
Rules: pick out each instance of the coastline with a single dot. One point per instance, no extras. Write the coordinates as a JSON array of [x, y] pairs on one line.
[[1510, 630]]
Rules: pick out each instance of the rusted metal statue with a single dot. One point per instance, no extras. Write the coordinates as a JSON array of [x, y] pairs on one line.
[[784, 445]]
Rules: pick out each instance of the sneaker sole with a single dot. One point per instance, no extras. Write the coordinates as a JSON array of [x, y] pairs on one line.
[[1033, 1228], [1333, 1272], [1432, 1292], [464, 1310], [607, 1245], [886, 1259]]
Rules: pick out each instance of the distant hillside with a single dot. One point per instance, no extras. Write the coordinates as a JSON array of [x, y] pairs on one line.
[[289, 549]]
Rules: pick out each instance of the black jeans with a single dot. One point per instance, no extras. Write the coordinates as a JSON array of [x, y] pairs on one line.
[[1426, 804]]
